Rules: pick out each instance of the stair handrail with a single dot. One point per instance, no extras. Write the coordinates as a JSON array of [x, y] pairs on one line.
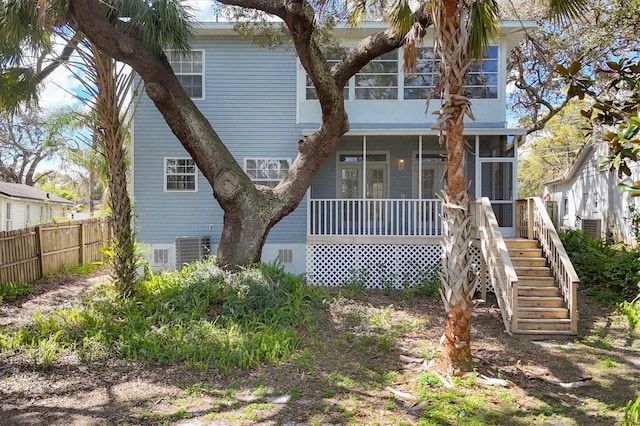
[[499, 266], [541, 228]]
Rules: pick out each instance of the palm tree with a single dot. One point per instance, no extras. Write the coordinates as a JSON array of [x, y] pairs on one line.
[[462, 29], [34, 23]]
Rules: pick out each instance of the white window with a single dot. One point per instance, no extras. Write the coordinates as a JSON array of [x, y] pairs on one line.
[[384, 79], [180, 174], [351, 181], [266, 171], [378, 80], [332, 60], [9, 218], [189, 68], [481, 81]]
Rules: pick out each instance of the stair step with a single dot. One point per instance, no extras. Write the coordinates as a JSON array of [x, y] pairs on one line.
[[545, 324], [539, 281], [525, 252], [523, 262], [521, 243], [533, 271], [542, 313], [537, 301], [538, 291]]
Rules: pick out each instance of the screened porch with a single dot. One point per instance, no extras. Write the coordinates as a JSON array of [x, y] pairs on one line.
[[386, 185]]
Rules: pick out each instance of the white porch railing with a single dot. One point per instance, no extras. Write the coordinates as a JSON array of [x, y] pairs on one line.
[[534, 222], [498, 263], [372, 217]]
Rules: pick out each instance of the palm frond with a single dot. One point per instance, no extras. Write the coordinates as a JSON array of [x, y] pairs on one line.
[[567, 9], [400, 17], [484, 26]]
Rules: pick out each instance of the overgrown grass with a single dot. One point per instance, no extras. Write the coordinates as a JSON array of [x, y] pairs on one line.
[[9, 292], [200, 315]]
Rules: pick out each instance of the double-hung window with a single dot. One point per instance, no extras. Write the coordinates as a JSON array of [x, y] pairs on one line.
[[266, 171], [180, 175], [189, 68]]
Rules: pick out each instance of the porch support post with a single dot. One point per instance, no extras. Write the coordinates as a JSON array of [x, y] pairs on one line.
[[483, 271], [364, 167], [530, 219], [363, 211], [420, 167]]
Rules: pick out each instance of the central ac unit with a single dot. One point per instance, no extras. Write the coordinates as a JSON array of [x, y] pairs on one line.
[[191, 249], [592, 227]]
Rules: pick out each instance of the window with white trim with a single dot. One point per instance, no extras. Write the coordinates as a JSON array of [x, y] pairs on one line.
[[266, 171], [332, 60], [9, 217], [180, 175], [481, 81], [384, 79], [189, 68], [378, 80]]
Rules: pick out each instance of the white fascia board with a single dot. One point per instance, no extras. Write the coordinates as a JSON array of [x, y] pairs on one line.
[[426, 131]]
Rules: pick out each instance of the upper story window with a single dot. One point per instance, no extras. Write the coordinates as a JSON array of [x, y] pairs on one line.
[[482, 76], [481, 81], [189, 68], [332, 60], [384, 79], [378, 80], [180, 174], [266, 171]]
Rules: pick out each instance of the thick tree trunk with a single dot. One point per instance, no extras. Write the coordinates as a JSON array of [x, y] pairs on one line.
[[250, 212], [243, 235]]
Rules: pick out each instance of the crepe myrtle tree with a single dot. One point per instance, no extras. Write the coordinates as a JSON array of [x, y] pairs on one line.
[[250, 210]]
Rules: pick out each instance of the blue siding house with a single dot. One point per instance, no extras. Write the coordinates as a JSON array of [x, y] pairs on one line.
[[373, 205]]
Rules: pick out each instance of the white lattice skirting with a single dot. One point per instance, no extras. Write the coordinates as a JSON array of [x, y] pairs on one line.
[[377, 265]]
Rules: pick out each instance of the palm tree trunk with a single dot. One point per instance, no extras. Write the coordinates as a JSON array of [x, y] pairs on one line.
[[456, 287]]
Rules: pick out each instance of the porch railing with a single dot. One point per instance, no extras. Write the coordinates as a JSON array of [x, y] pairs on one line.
[[498, 262], [372, 217], [534, 222]]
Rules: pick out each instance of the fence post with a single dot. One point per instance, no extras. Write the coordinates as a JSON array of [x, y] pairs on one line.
[[82, 243], [40, 251]]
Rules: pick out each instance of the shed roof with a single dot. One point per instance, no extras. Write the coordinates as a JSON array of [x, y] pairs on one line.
[[26, 192]]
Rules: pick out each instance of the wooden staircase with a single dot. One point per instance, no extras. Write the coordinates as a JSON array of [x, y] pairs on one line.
[[540, 308]]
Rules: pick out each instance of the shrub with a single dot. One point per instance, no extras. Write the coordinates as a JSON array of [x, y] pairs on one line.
[[200, 315], [12, 291], [608, 271]]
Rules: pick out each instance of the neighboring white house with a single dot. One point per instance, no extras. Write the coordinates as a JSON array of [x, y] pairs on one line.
[[589, 196], [22, 206]]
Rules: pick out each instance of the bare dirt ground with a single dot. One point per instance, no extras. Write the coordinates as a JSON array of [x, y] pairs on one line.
[[336, 381]]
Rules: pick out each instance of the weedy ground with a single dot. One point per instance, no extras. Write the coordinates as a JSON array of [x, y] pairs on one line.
[[204, 347]]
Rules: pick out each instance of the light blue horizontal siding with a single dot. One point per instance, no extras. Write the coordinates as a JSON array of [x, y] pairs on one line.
[[251, 103]]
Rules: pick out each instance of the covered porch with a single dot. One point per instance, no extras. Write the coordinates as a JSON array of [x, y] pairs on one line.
[[387, 182], [373, 211]]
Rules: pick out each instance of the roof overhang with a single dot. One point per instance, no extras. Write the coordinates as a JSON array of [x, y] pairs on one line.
[[426, 131], [513, 31]]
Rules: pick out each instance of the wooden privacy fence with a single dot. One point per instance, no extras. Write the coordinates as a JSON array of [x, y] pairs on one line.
[[32, 253]]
